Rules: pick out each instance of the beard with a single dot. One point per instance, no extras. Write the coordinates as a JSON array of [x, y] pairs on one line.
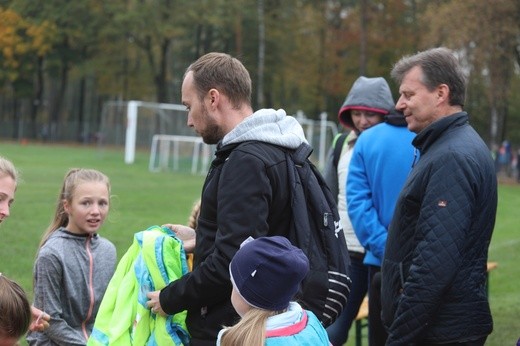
[[212, 132]]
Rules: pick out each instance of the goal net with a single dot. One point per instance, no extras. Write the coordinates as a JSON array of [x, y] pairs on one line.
[[156, 128], [160, 129]]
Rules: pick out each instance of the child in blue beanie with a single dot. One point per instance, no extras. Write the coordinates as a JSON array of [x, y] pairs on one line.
[[266, 274]]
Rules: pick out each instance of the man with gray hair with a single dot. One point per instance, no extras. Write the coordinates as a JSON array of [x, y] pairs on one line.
[[434, 268]]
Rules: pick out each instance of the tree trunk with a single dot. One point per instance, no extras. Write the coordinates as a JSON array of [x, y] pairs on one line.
[[82, 135], [363, 39], [16, 118], [57, 103], [37, 99], [261, 54], [160, 78], [238, 34]]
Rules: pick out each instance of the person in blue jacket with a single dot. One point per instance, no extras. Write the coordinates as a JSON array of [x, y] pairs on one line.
[[381, 161], [434, 269], [74, 264], [367, 104]]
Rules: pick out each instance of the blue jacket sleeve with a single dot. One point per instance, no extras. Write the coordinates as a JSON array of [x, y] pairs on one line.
[[361, 209]]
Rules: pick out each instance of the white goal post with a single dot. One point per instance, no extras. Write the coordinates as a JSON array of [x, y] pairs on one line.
[[326, 131], [160, 154], [133, 124], [131, 127]]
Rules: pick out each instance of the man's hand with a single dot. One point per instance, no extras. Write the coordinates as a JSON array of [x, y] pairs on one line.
[[184, 233], [154, 304]]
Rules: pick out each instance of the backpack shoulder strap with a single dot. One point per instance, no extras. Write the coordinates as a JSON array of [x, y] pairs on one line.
[[301, 154], [338, 146]]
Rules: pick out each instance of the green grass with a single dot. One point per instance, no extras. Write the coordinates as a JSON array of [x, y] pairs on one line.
[[141, 199], [504, 282]]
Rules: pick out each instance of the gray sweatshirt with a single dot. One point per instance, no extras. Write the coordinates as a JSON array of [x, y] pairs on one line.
[[71, 275]]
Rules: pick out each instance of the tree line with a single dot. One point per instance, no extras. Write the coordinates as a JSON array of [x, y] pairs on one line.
[[61, 60]]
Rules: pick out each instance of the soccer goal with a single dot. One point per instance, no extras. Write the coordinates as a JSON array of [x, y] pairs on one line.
[[167, 152], [156, 128], [161, 129], [319, 134]]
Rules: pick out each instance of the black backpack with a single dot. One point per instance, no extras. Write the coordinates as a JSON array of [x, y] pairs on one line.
[[338, 148], [317, 230]]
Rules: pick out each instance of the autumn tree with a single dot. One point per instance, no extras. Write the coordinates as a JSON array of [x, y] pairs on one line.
[[74, 43], [487, 39], [23, 45], [171, 33]]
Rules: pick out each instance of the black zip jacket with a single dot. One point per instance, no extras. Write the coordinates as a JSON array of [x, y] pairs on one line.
[[246, 194]]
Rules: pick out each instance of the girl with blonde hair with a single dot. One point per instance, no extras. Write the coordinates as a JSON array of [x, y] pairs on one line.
[[74, 264], [9, 177], [266, 274], [8, 183]]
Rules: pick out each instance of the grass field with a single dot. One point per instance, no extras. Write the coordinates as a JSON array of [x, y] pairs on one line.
[[141, 199]]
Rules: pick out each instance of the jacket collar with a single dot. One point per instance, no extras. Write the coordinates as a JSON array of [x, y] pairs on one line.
[[432, 132]]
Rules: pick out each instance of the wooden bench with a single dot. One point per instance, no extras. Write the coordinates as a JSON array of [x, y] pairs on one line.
[[362, 316], [361, 321], [490, 267]]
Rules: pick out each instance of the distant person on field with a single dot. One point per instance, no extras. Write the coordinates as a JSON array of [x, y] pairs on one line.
[[8, 184], [74, 264], [266, 274], [434, 269]]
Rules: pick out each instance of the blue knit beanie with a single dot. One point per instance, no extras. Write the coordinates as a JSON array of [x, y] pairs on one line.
[[267, 272]]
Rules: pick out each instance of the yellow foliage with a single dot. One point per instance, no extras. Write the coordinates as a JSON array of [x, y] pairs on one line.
[[41, 37], [20, 39]]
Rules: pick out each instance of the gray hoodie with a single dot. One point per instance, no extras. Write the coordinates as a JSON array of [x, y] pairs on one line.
[[269, 126], [71, 275], [368, 94]]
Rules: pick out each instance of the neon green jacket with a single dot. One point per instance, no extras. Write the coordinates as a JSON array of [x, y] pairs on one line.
[[155, 258]]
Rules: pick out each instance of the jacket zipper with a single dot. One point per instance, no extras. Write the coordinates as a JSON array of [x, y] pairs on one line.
[[90, 286]]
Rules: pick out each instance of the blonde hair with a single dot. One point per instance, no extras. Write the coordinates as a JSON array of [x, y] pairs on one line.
[[73, 178], [250, 330], [193, 220], [7, 169], [194, 215], [15, 310]]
